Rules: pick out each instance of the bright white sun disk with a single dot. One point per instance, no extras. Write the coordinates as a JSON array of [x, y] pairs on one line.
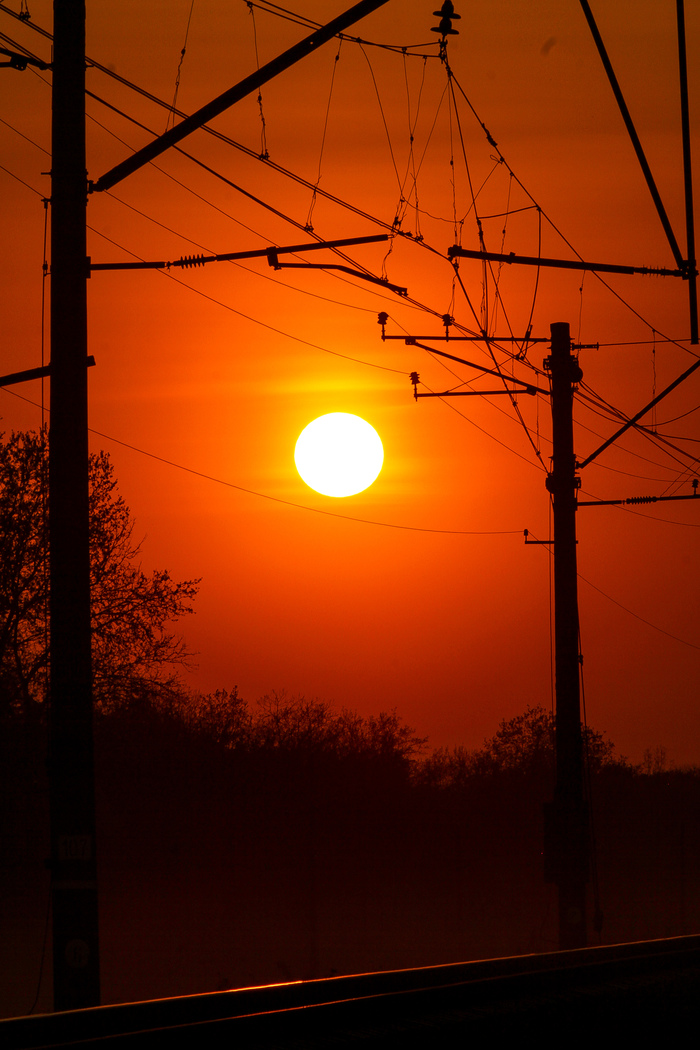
[[339, 454]]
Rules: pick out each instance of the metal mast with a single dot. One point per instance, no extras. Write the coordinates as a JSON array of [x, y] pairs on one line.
[[71, 760], [566, 843], [73, 861]]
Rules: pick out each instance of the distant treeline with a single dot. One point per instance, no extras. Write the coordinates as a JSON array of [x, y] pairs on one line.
[[289, 839]]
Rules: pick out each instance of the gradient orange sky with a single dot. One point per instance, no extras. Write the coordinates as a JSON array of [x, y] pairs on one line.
[[218, 369]]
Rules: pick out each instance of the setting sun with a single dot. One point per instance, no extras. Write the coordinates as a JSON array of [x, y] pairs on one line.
[[339, 454]]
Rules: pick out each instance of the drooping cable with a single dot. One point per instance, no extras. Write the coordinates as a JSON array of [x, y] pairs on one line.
[[412, 123], [383, 115], [171, 114], [264, 152], [312, 205]]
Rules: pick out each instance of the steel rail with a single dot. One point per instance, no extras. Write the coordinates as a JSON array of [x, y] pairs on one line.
[[642, 988]]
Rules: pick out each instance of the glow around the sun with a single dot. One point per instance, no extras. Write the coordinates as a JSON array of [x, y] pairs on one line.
[[339, 454]]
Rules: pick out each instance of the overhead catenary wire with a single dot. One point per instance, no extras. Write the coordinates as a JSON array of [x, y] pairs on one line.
[[248, 317], [292, 175], [655, 437], [297, 338], [381, 523], [512, 175], [309, 23], [492, 142], [372, 364], [412, 123], [485, 321], [169, 229], [296, 223], [383, 116]]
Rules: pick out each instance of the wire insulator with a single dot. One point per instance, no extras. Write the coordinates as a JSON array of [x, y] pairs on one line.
[[641, 499], [446, 14], [415, 379], [186, 261]]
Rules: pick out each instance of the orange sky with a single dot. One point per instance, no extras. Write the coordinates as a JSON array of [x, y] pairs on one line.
[[451, 629]]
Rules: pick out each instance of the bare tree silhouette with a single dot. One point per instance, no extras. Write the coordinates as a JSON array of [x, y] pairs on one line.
[[134, 652]]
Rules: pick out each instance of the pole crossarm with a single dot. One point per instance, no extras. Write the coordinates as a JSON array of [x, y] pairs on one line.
[[476, 338], [635, 419], [20, 61], [187, 261], [235, 94], [528, 387], [545, 543], [566, 264], [478, 393], [33, 373], [399, 289]]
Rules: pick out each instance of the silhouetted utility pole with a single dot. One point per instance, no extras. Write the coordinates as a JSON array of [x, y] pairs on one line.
[[71, 762], [73, 862], [566, 817], [566, 828]]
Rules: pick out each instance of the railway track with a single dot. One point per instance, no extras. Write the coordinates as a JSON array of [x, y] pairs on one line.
[[645, 989]]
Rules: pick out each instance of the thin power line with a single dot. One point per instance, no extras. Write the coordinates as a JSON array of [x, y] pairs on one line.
[[661, 630], [301, 506], [278, 499], [668, 634]]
